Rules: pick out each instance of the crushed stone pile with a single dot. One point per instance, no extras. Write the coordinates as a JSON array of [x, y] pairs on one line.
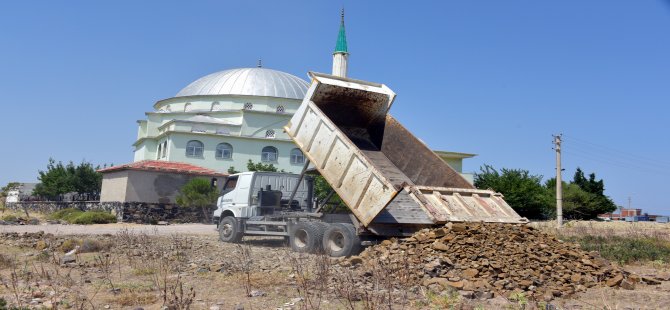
[[484, 260]]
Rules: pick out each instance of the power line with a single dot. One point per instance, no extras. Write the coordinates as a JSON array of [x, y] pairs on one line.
[[612, 152], [617, 164], [635, 162]]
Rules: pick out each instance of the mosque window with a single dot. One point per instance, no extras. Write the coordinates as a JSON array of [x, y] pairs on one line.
[[194, 148], [160, 151], [224, 151], [280, 109], [269, 154], [297, 157], [248, 106], [187, 107], [270, 134], [164, 150]]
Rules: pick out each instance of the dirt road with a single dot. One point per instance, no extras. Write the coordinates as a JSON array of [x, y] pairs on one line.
[[101, 229]]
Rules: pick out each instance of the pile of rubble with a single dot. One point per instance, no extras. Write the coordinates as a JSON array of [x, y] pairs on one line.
[[483, 260]]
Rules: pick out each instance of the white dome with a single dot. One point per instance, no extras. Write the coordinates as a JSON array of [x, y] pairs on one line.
[[250, 82]]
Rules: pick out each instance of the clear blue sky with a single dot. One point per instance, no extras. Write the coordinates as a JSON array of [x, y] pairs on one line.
[[495, 78]]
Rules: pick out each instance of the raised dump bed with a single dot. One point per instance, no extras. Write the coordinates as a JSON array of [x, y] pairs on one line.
[[384, 174]]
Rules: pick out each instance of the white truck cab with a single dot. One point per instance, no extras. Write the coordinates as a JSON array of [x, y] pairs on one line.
[[239, 196]]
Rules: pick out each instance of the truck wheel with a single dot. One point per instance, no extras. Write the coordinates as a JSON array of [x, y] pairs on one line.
[[341, 240], [306, 237], [229, 231]]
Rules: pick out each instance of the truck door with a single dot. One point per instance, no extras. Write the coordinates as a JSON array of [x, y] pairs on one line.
[[242, 189]]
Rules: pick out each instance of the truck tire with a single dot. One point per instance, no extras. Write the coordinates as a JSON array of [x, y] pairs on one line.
[[229, 231], [341, 240], [306, 237]]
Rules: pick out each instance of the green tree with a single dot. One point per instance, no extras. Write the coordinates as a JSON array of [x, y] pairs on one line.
[[198, 193], [251, 166], [597, 188], [523, 192], [578, 204], [86, 179], [231, 170], [59, 179], [590, 185], [56, 180]]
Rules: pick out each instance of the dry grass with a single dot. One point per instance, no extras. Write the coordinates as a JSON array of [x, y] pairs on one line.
[[623, 242], [138, 269], [595, 228], [128, 299], [6, 261], [14, 216]]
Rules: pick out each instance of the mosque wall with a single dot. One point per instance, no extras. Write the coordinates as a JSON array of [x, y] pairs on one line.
[[244, 149], [114, 186], [145, 186], [227, 102], [257, 125], [146, 150]]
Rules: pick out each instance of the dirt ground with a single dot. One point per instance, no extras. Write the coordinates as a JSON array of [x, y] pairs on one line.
[[101, 229], [129, 266]]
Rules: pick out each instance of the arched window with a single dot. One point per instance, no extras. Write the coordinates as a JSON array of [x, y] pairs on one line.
[[194, 148], [297, 157], [280, 109], [269, 154], [270, 134], [187, 107], [160, 151], [224, 151]]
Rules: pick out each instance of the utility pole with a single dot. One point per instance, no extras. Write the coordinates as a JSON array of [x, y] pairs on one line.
[[559, 181]]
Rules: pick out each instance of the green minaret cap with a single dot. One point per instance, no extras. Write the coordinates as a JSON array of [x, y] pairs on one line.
[[341, 46]]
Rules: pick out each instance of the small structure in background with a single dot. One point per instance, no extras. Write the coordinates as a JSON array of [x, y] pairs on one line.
[[23, 192], [633, 215], [151, 181]]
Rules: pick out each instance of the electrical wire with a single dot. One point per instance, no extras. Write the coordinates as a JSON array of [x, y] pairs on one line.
[[617, 164], [601, 150]]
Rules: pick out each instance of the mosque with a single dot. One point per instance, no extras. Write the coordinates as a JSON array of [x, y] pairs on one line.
[[223, 120]]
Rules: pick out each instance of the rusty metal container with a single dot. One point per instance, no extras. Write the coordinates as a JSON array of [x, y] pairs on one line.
[[384, 174]]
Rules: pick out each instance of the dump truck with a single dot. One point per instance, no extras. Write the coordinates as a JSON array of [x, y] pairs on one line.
[[391, 182]]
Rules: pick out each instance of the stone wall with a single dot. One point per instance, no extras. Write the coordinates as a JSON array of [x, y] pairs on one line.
[[128, 212], [138, 212]]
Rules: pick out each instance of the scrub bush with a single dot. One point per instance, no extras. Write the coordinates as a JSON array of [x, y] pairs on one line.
[[76, 216], [94, 217], [67, 215]]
